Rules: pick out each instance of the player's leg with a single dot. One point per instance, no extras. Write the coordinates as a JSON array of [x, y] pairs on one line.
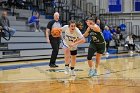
[[91, 52], [98, 58], [67, 59], [100, 51], [73, 62]]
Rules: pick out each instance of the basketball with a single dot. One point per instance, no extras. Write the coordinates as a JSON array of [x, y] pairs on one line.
[[56, 32]]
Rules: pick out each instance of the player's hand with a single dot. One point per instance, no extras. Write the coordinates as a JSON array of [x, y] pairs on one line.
[[72, 45]]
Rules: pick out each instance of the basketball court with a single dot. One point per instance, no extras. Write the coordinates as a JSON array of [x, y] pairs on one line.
[[117, 74]]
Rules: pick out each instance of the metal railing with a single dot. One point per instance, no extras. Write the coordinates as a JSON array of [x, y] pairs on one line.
[[129, 27], [89, 8], [0, 34], [136, 30]]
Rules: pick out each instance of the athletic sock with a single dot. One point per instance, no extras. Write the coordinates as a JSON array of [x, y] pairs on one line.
[[67, 65], [71, 68]]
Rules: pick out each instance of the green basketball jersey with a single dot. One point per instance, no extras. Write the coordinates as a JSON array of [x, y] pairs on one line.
[[96, 37]]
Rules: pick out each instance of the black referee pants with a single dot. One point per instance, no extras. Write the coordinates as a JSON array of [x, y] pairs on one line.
[[55, 42]]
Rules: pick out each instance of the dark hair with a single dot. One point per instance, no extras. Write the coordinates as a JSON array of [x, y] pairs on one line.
[[79, 25], [90, 18], [72, 22]]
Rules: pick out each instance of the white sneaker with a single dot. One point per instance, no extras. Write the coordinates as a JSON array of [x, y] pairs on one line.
[[72, 73], [67, 70]]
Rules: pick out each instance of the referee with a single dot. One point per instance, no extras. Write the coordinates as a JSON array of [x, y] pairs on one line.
[[54, 41]]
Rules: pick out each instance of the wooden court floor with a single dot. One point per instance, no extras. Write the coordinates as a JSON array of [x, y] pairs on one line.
[[116, 74]]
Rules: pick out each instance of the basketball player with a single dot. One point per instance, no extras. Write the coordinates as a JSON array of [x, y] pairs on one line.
[[72, 38], [97, 44]]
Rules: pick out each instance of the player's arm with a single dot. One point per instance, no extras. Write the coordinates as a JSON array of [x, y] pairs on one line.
[[80, 41], [77, 42], [86, 32]]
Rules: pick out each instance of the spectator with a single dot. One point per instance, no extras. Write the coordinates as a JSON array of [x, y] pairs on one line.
[[130, 43], [54, 41], [20, 4], [107, 37], [34, 22], [10, 3], [3, 3], [4, 22], [50, 2], [116, 36], [113, 30], [80, 26], [27, 4], [99, 23]]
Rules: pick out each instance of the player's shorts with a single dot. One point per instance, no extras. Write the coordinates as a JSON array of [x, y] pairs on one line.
[[94, 47], [73, 52]]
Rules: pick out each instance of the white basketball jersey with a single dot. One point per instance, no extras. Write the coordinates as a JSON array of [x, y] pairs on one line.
[[68, 37]]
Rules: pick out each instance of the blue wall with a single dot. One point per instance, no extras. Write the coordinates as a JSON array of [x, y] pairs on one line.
[[115, 5]]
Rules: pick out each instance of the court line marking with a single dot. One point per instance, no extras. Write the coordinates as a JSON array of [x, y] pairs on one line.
[[9, 67]]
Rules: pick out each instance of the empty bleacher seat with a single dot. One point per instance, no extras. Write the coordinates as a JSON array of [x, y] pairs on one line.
[[20, 28], [25, 40], [12, 18], [17, 23], [0, 54]]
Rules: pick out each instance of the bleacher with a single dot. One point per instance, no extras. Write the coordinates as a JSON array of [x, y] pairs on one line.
[[31, 45], [28, 44]]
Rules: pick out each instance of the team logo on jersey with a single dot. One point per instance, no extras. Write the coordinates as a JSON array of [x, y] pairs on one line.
[[71, 38], [94, 38]]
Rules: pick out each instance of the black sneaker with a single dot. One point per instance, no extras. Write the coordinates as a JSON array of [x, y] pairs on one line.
[[53, 65], [56, 65]]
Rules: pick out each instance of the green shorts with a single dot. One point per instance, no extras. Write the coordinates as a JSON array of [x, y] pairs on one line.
[[94, 47]]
